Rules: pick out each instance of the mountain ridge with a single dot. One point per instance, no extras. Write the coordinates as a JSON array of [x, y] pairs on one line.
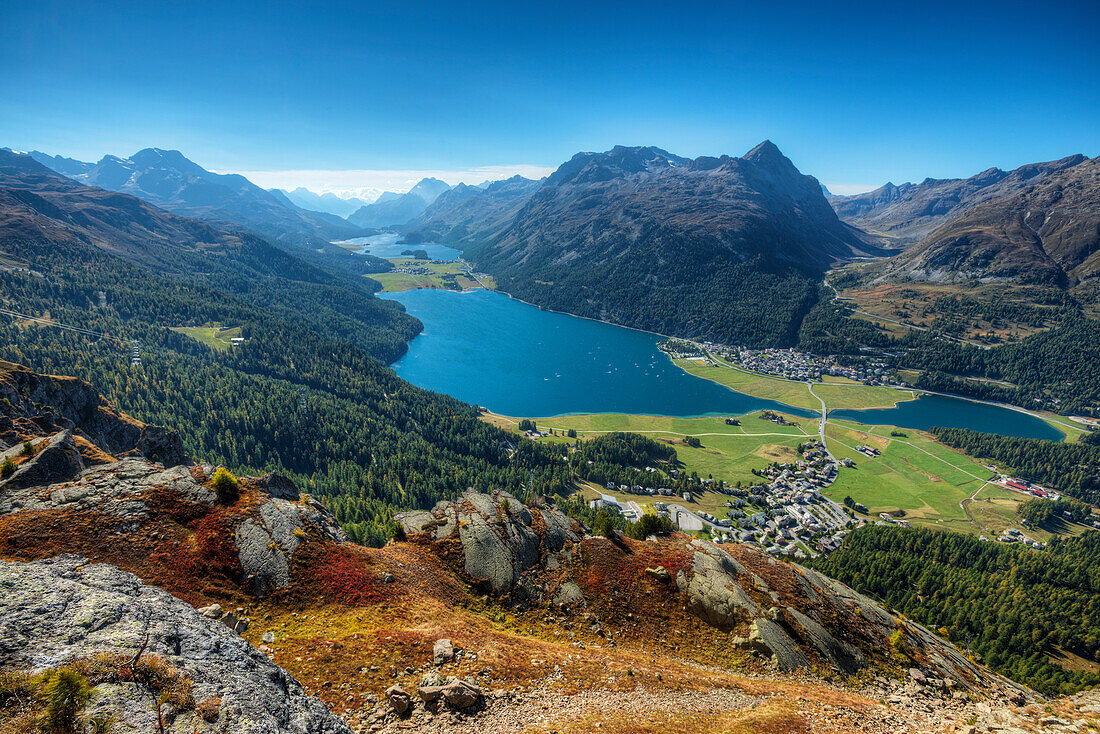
[[171, 181], [644, 238], [909, 212], [399, 209]]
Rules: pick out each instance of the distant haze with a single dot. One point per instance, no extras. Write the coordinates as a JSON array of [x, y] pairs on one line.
[[368, 184]]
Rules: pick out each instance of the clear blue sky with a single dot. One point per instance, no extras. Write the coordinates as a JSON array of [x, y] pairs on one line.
[[854, 93]]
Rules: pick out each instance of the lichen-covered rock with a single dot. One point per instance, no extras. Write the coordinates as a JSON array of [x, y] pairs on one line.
[[279, 486], [443, 652], [712, 588], [162, 445], [769, 638], [55, 611], [486, 555], [843, 656]]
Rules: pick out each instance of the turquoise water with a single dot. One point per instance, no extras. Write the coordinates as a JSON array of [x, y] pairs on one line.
[[386, 245], [938, 410], [490, 350]]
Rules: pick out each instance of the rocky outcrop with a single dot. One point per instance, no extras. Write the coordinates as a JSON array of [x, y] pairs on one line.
[[57, 611], [55, 459], [503, 542], [713, 590], [41, 405]]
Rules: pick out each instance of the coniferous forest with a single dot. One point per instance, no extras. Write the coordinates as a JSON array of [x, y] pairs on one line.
[[1018, 609]]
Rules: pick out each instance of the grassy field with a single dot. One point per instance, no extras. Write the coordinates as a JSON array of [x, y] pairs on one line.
[[837, 392], [214, 336], [915, 473], [434, 278], [727, 452], [784, 391]]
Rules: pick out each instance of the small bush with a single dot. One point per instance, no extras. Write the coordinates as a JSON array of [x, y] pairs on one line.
[[28, 449], [604, 525], [226, 485], [397, 532], [7, 468], [64, 693], [648, 525]]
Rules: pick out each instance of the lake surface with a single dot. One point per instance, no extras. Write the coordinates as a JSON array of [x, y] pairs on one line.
[[939, 410], [386, 245], [515, 359], [490, 350]]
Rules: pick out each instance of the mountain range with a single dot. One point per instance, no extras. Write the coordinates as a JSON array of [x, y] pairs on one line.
[[1044, 233], [909, 212], [327, 202], [171, 181], [729, 248], [392, 209]]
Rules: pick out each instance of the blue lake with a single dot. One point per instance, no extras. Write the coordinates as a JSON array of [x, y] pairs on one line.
[[515, 359], [939, 410], [386, 245]]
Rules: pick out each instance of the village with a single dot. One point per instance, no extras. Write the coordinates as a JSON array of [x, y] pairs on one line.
[[788, 364], [786, 514]]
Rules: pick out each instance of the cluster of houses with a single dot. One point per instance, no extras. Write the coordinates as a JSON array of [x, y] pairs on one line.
[[1033, 489], [794, 365], [870, 451], [786, 363], [1012, 535], [786, 515]]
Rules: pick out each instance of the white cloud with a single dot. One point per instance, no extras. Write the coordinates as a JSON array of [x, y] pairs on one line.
[[844, 189], [368, 183]]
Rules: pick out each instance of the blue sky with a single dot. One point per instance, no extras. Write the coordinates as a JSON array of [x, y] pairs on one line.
[[854, 93]]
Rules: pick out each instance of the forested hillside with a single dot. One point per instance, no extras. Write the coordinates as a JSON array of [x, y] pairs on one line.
[[302, 394], [1015, 607], [1058, 369], [1072, 468]]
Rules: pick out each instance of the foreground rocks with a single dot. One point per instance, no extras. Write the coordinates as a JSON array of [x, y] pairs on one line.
[[57, 611]]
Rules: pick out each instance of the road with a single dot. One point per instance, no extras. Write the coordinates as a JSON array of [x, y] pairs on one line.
[[824, 418]]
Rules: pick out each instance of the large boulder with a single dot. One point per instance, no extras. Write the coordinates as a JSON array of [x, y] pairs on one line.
[[56, 611], [713, 590]]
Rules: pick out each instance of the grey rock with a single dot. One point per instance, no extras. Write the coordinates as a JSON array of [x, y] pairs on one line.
[[461, 694], [842, 655], [268, 638], [660, 573], [162, 445], [712, 590], [442, 652], [569, 593], [769, 638], [212, 611], [278, 486], [486, 556], [58, 610]]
